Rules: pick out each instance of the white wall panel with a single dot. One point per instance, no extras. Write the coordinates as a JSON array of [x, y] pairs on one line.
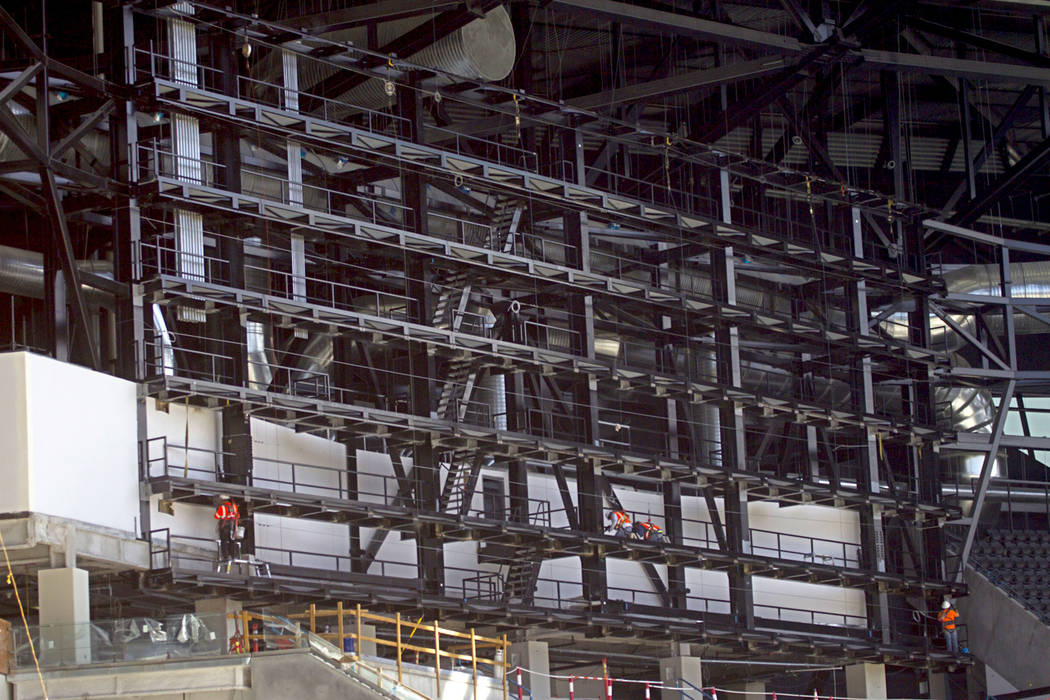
[[708, 590], [81, 438], [796, 601], [298, 542], [182, 425], [789, 533], [317, 464], [190, 520], [14, 434], [375, 477]]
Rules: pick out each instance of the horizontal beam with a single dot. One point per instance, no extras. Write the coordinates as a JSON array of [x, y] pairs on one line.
[[958, 67], [681, 83], [986, 238], [679, 24]]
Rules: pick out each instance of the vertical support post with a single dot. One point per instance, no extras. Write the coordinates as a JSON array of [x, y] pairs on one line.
[[429, 547], [342, 634], [437, 659], [734, 446], [474, 663], [965, 127], [397, 623], [358, 645], [503, 666], [672, 493], [313, 618], [1044, 103], [585, 388]]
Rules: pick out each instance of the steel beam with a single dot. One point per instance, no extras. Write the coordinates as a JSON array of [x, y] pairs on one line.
[[1005, 184], [679, 24], [993, 73], [680, 84]]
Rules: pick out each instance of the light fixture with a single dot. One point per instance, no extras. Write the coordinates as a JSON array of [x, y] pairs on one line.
[[158, 116]]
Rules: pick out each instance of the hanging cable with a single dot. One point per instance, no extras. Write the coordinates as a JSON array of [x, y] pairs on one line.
[[22, 612]]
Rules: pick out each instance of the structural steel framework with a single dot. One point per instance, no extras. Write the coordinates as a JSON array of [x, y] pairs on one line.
[[721, 252]]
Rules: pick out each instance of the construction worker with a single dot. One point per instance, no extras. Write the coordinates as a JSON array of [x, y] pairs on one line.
[[651, 532], [620, 524], [947, 618], [228, 514]]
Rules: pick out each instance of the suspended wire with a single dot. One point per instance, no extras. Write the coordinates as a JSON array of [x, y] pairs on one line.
[[22, 612]]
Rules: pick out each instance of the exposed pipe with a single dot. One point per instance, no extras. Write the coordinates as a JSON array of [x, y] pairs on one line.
[[22, 274], [483, 50]]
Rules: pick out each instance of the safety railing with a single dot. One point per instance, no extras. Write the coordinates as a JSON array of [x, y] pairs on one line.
[[484, 586], [823, 618], [782, 545], [151, 63], [394, 636], [155, 160], [461, 230], [478, 147], [548, 249], [787, 211], [166, 459]]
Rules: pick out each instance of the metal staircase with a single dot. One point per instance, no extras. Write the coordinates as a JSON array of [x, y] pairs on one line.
[[452, 291], [461, 375], [519, 585], [458, 491], [505, 223]]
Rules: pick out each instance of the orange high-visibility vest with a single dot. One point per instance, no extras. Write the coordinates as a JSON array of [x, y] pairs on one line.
[[227, 511], [947, 618], [621, 518]]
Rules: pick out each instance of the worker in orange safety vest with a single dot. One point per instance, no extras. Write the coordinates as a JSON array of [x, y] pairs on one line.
[[651, 532], [619, 523], [227, 514], [947, 618]]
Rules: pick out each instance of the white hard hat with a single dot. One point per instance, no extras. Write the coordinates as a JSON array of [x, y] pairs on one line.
[[945, 605]]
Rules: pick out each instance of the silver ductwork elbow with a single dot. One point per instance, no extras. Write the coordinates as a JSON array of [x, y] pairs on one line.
[[483, 50]]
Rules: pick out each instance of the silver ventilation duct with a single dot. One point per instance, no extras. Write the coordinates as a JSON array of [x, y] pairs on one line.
[[22, 274], [483, 50], [1030, 280]]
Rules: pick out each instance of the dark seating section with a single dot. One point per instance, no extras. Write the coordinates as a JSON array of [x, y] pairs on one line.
[[1018, 561]]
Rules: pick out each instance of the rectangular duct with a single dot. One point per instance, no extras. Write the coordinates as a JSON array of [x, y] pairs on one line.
[[182, 40], [186, 145], [298, 249]]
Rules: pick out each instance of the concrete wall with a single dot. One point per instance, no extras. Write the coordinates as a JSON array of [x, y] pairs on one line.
[[69, 440], [1005, 636], [266, 676], [210, 679]]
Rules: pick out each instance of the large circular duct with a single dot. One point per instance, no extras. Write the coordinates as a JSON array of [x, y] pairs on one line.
[[483, 50]]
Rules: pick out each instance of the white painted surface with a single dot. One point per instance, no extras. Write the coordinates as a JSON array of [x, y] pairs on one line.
[[282, 457], [307, 543], [183, 427], [786, 532], [14, 434], [68, 435], [795, 601]]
